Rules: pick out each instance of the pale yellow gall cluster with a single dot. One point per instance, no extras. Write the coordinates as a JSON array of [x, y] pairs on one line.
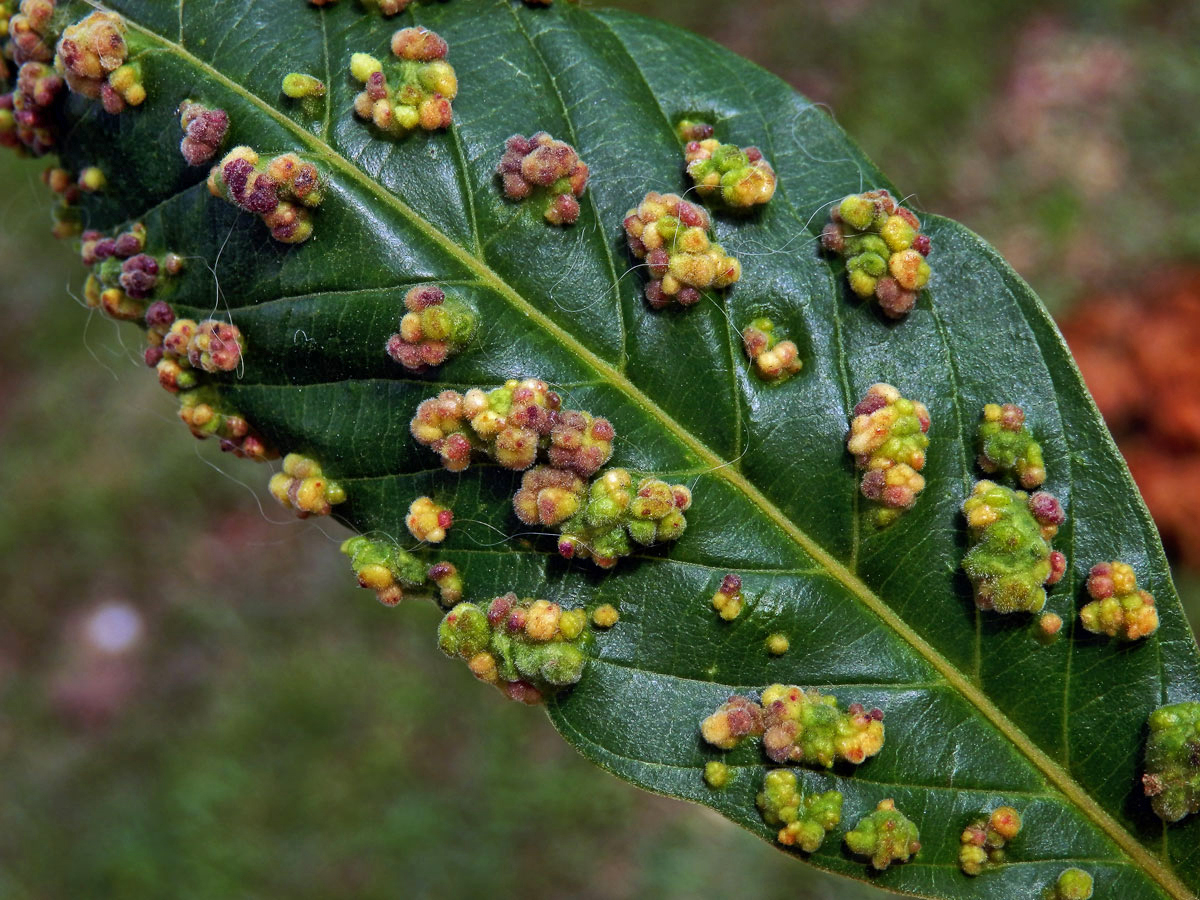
[[1118, 608], [672, 236], [389, 570], [982, 842], [92, 54], [303, 487], [605, 616], [777, 644], [888, 440], [728, 600], [428, 521], [773, 359], [413, 92]]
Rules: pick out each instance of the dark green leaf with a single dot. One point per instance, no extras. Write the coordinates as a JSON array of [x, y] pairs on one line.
[[977, 712]]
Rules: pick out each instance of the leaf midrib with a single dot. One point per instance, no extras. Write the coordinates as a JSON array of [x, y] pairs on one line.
[[1054, 773]]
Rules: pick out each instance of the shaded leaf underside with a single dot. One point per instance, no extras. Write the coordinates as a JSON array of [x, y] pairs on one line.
[[977, 713]]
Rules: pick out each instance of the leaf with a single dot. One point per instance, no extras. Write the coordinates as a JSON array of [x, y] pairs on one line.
[[977, 713]]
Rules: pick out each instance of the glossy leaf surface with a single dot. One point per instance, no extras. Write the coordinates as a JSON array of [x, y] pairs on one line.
[[977, 712]]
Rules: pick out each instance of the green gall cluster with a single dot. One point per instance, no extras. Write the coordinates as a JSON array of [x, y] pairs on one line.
[[777, 644], [773, 359], [428, 521], [203, 131], [604, 520], [303, 487], [797, 726], [420, 88], [387, 569], [1006, 446], [983, 841], [434, 328], [27, 117], [672, 236], [547, 169], [281, 192], [29, 31], [888, 438], [1172, 779], [527, 648], [512, 425], [92, 54], [886, 836], [717, 774], [728, 600], [803, 821], [806, 726], [1073, 884], [1010, 560], [883, 248], [1118, 607], [688, 130], [738, 176]]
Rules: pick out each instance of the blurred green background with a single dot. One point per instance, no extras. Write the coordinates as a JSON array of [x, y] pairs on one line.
[[197, 702]]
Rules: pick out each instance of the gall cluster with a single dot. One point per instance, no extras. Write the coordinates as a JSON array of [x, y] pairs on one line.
[[428, 521], [512, 424], [888, 438], [123, 275], [1007, 447], [1118, 607], [29, 32], [1172, 779], [886, 836], [883, 248], [203, 131], [797, 726], [728, 600], [415, 92], [982, 842], [527, 648], [604, 520], [774, 360], [1010, 560], [27, 117], [434, 329], [737, 176], [303, 487], [281, 191], [672, 236], [803, 821], [547, 169], [389, 570], [92, 56]]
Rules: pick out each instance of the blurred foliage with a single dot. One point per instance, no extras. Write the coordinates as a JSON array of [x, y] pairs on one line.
[[196, 702]]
